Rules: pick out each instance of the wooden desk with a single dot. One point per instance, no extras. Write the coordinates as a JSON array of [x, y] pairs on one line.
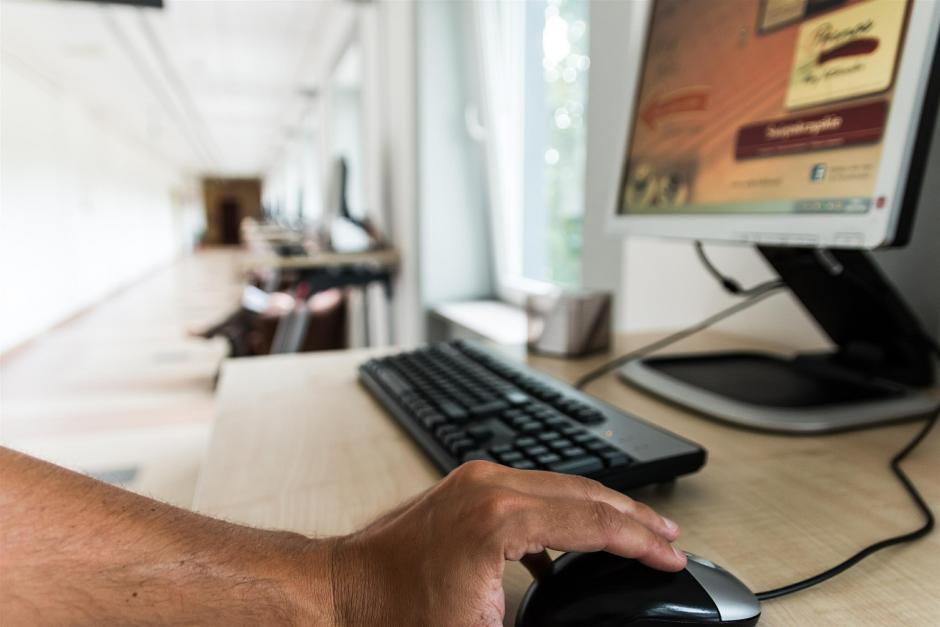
[[297, 444], [260, 239]]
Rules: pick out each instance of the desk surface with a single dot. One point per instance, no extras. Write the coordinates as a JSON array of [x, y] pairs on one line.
[[297, 444]]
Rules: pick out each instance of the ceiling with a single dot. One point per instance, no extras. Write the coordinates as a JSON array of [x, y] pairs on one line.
[[212, 85]]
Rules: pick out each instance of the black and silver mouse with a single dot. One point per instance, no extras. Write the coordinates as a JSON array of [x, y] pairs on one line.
[[603, 590]]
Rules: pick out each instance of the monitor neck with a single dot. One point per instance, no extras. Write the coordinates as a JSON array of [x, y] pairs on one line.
[[875, 332]]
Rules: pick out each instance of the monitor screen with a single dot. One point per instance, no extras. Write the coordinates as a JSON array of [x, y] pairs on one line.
[[768, 107]]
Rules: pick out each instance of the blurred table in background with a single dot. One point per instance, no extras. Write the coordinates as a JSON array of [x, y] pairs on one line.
[[284, 259]]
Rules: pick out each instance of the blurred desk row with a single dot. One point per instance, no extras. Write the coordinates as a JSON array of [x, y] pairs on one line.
[[301, 296]]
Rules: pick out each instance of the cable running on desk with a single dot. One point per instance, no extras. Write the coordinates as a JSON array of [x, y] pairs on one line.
[[918, 533], [661, 343]]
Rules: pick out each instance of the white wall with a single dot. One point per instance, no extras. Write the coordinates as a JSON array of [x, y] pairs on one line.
[[666, 287], [396, 80], [602, 253], [83, 210]]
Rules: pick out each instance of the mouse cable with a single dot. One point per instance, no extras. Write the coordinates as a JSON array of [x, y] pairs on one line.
[[652, 347], [922, 531], [731, 285]]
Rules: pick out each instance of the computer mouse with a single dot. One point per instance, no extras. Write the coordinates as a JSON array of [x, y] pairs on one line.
[[603, 590]]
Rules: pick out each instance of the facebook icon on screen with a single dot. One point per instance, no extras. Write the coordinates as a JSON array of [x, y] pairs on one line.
[[817, 172]]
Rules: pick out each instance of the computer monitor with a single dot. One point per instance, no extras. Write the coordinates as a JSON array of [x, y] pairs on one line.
[[784, 122], [803, 127]]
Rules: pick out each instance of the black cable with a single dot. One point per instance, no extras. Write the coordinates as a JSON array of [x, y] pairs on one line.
[[922, 531], [652, 347], [730, 284]]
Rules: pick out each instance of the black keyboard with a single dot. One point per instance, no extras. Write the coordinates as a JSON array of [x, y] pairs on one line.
[[461, 402]]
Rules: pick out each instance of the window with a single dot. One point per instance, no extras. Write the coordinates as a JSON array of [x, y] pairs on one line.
[[555, 134], [532, 61]]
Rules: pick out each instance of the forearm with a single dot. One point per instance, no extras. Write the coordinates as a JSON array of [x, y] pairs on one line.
[[76, 550]]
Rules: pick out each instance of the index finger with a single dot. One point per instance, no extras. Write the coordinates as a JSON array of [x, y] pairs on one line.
[[578, 525], [553, 484]]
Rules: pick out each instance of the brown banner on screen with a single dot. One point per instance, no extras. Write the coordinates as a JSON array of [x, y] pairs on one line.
[[828, 129]]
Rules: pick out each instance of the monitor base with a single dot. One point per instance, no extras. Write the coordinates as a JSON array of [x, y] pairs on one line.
[[802, 395]]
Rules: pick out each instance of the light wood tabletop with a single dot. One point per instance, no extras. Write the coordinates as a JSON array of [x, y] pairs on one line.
[[260, 239], [297, 444]]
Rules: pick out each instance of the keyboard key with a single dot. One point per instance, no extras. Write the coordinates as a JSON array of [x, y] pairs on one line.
[[432, 420], [452, 410], [614, 458], [518, 421], [581, 438], [530, 427], [589, 416], [577, 465], [500, 448], [452, 437], [392, 381], [516, 398], [548, 458], [523, 464], [477, 454], [573, 451], [535, 451], [415, 405], [458, 447], [548, 435], [596, 445], [571, 430], [488, 409], [526, 441], [560, 443], [443, 430], [480, 433], [511, 456]]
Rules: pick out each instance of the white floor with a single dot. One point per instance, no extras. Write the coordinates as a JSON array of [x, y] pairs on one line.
[[123, 392], [160, 462]]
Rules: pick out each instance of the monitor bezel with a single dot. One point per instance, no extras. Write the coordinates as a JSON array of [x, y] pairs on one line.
[[906, 149]]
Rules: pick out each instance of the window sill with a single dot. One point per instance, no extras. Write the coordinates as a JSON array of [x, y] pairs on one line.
[[491, 320]]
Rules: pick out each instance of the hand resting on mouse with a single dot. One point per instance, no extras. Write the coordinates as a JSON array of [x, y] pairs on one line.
[[439, 558], [74, 550]]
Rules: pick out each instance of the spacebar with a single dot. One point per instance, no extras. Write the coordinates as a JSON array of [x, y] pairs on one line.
[[577, 466]]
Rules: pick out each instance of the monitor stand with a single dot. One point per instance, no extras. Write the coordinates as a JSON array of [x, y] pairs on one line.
[[866, 380]]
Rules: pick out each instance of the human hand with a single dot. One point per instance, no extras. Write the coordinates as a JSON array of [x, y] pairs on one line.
[[439, 558]]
